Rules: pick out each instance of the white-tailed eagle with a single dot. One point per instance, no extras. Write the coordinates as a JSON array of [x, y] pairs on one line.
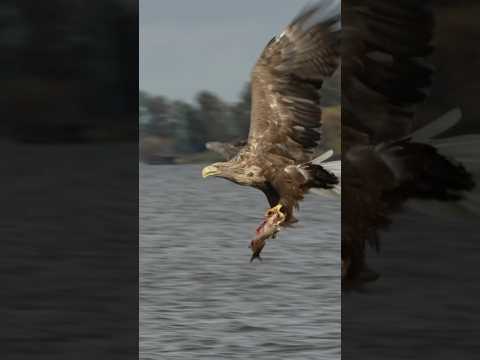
[[285, 113]]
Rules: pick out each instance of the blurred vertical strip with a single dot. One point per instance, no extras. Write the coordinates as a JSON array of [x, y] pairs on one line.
[[426, 301], [69, 176]]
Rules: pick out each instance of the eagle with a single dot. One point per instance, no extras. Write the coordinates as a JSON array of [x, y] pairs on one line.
[[389, 153], [284, 125]]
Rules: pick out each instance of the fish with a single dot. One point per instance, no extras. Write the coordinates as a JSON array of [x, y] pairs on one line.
[[268, 229]]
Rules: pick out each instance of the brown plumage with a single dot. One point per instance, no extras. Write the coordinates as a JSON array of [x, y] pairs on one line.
[[284, 127], [384, 78], [329, 121]]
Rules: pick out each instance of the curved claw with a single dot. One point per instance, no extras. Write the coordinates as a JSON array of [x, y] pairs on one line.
[[274, 210]]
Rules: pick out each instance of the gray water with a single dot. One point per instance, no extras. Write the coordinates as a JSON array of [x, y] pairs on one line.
[[425, 304], [201, 298]]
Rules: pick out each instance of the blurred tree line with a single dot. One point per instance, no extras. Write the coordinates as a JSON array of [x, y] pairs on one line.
[[169, 126], [187, 127]]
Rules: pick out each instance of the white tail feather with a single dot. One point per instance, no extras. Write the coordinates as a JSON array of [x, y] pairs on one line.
[[320, 159], [335, 167], [438, 126], [464, 149]]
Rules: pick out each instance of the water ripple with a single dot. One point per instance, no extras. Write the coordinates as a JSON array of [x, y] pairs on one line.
[[200, 298]]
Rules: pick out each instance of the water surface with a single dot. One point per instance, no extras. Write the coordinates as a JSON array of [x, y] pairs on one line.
[[201, 298]]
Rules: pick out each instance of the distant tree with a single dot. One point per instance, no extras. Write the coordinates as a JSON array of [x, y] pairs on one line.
[[190, 135], [144, 116], [143, 98], [158, 106], [160, 123], [241, 112], [191, 126], [214, 116]]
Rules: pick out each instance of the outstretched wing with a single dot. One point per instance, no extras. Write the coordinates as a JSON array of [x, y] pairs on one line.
[[383, 76], [286, 79]]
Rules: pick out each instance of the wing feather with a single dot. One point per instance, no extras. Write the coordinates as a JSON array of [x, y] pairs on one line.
[[286, 80], [383, 76]]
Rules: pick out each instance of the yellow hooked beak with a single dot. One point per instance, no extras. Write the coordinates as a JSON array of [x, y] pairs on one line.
[[209, 171]]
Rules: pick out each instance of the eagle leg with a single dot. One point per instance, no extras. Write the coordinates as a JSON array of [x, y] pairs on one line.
[[268, 229], [276, 211]]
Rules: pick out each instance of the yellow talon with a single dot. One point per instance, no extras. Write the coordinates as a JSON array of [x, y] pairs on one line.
[[274, 210]]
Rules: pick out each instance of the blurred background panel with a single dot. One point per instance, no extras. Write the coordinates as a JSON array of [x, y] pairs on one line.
[[426, 302], [69, 72], [68, 135], [457, 62]]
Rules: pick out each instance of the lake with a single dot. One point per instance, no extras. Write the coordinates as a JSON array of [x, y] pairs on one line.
[[201, 298], [425, 303]]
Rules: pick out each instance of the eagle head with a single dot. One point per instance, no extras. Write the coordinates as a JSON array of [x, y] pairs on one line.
[[238, 172]]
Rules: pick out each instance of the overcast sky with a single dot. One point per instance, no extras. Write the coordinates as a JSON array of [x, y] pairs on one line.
[[191, 45]]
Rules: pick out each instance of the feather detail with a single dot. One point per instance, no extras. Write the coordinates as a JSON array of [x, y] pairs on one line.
[[437, 127]]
